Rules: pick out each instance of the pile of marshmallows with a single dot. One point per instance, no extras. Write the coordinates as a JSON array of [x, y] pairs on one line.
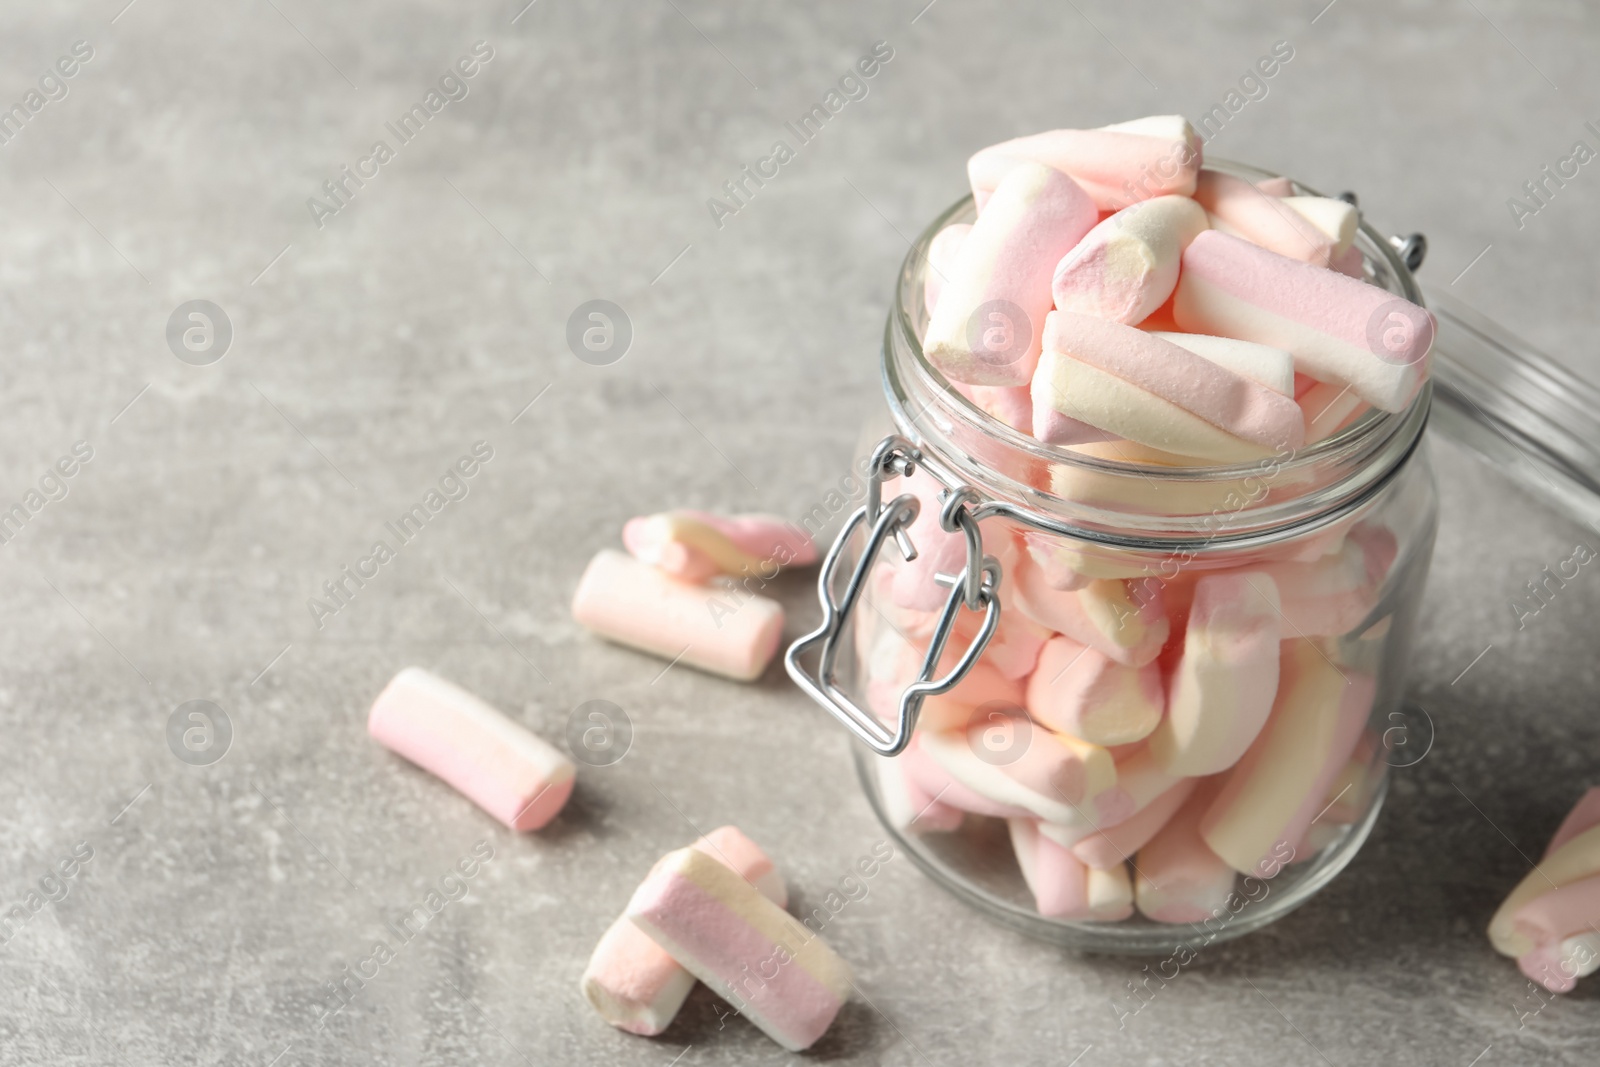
[[712, 911], [1117, 299]]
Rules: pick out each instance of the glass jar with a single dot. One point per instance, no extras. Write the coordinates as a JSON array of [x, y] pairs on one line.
[[1017, 543]]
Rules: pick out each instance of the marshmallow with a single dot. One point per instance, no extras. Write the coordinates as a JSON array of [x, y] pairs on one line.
[[984, 686], [1126, 625], [697, 545], [1061, 885], [719, 629], [1274, 791], [1133, 384], [1337, 219], [1263, 364], [631, 981], [928, 775], [1558, 965], [1339, 329], [1276, 186], [1576, 859], [1336, 593], [986, 327], [907, 806], [1140, 783], [1328, 408], [943, 251], [1112, 845], [492, 760], [1350, 263], [1052, 783], [1572, 909], [1058, 880], [1084, 693], [1223, 687], [1262, 218], [939, 551], [1178, 879], [720, 929], [1117, 165], [1584, 814], [1051, 562], [1011, 404], [1127, 266]]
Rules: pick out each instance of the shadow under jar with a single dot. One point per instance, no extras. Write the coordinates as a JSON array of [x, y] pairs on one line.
[[1052, 599]]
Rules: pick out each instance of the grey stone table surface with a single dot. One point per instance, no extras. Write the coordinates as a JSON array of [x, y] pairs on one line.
[[376, 339]]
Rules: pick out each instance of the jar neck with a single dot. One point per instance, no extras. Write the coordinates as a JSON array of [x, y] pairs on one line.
[[1131, 504]]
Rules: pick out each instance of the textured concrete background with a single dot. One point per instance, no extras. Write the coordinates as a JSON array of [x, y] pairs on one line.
[[221, 900]]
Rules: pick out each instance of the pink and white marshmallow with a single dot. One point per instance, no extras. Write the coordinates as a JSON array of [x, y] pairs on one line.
[[1224, 684], [726, 631], [697, 546], [1339, 329], [780, 975], [497, 763], [631, 981], [1117, 165], [986, 327], [1133, 384], [1127, 266]]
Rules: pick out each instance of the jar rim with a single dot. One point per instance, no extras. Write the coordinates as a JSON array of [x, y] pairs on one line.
[[1367, 451]]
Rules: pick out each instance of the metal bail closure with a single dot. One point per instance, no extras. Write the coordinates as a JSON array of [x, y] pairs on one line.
[[976, 588]]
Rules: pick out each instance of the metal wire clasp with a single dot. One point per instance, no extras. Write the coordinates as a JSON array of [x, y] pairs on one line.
[[976, 589]]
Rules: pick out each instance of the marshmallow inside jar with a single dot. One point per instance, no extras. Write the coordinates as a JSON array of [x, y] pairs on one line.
[[1206, 593]]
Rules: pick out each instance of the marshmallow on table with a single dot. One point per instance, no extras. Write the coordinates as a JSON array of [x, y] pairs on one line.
[[943, 251], [1117, 165], [697, 545], [986, 327], [1261, 218], [1126, 625], [1111, 845], [1558, 965], [1263, 364], [705, 626], [1273, 793], [1339, 329], [721, 929], [1573, 856], [1084, 693], [907, 806], [1127, 266], [631, 981], [1584, 814], [1223, 687], [495, 762], [1133, 384], [1178, 879]]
